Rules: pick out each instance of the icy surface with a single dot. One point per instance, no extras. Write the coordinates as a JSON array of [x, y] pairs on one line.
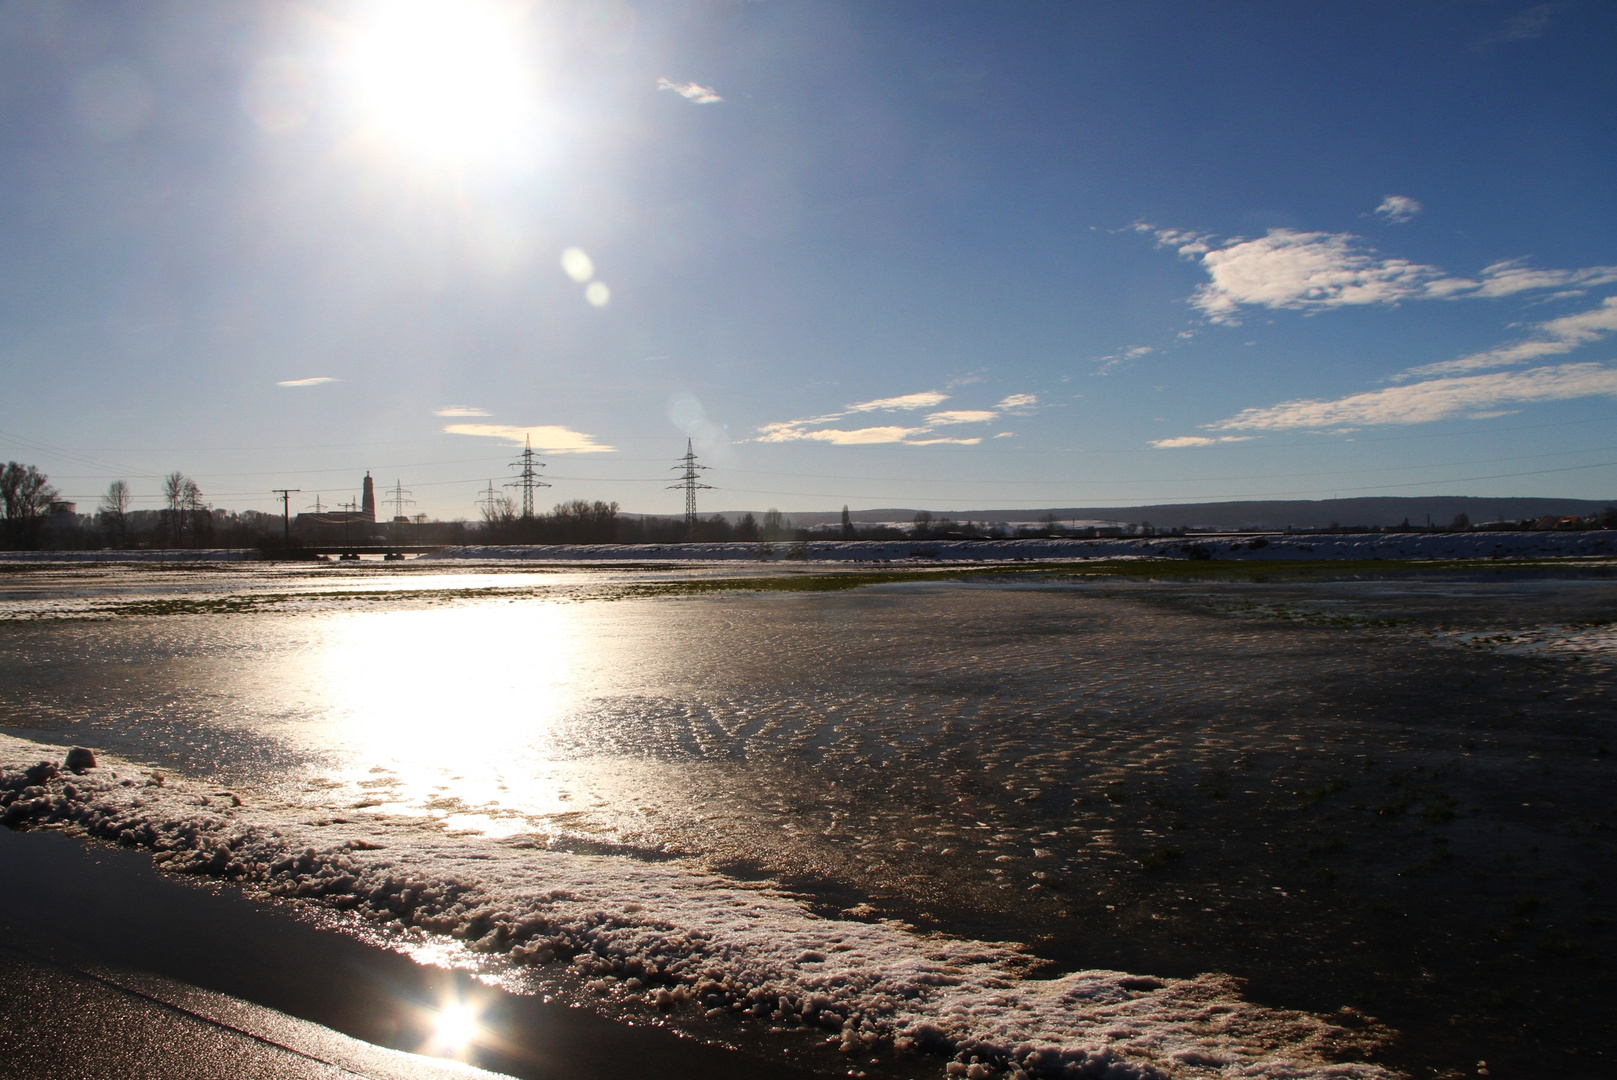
[[691, 942]]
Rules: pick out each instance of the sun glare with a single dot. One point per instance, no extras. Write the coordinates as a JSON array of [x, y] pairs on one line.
[[446, 80], [454, 1029]]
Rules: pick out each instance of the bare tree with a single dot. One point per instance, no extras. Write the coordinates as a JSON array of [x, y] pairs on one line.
[[198, 515], [25, 498], [174, 497], [500, 510], [115, 510]]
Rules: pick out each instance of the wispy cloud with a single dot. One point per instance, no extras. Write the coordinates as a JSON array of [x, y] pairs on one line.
[[693, 92], [1314, 271], [820, 429], [1556, 337], [461, 410], [319, 380], [547, 439], [1398, 209], [961, 416], [1433, 399], [1522, 26], [926, 399], [1198, 440], [1105, 364]]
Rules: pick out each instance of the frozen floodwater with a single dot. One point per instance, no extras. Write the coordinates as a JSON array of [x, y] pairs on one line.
[[925, 820]]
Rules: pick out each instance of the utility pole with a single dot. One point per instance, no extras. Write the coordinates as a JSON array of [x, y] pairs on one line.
[[688, 480], [528, 466], [286, 517], [397, 498]]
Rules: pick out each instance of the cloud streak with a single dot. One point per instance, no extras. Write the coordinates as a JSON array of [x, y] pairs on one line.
[[820, 429], [461, 410], [319, 380], [1184, 441], [695, 93], [1556, 337], [1315, 271], [1432, 399], [547, 439]]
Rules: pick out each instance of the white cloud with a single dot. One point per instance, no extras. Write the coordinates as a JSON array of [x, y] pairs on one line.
[[926, 399], [962, 416], [1198, 440], [1434, 399], [546, 439], [693, 92], [319, 380], [1398, 209], [1556, 337], [1304, 270], [1106, 363], [817, 429], [461, 410], [1313, 271]]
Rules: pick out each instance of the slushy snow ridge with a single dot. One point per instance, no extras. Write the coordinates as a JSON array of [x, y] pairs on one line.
[[694, 944]]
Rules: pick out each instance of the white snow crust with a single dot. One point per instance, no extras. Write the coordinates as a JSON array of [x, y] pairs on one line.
[[686, 941]]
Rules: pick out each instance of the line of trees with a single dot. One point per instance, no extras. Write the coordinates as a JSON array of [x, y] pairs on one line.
[[35, 516]]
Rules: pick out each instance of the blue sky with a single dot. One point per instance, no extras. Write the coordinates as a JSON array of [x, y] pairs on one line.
[[931, 255]]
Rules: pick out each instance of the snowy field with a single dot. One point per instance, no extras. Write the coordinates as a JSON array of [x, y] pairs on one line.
[[1096, 829]]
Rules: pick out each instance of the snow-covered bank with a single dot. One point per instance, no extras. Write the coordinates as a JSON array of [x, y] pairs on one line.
[[684, 940], [1478, 545]]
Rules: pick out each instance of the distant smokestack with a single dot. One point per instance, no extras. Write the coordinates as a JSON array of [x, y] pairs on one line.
[[367, 501]]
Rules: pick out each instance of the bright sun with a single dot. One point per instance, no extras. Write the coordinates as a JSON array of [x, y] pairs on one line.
[[445, 80], [455, 1028]]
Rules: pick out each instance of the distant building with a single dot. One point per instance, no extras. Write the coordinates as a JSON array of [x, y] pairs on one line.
[[331, 527]]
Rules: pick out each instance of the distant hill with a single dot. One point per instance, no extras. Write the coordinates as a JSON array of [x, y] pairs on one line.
[[1301, 513]]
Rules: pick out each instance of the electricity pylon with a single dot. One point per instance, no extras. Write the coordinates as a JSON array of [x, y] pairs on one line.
[[689, 481], [397, 498], [527, 465], [486, 499]]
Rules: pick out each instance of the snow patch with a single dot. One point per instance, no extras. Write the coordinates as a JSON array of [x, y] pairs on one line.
[[677, 938]]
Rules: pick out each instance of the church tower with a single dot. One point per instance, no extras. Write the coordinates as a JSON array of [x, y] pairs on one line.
[[367, 500]]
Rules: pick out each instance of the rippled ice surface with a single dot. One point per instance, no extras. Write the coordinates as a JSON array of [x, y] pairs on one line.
[[1282, 782]]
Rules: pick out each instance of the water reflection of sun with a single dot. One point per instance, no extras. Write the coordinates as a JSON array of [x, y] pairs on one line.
[[449, 711]]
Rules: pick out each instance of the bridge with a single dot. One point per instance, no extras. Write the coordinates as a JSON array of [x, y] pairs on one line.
[[364, 549]]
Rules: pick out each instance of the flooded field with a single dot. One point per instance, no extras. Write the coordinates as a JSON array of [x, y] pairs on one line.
[[1385, 800]]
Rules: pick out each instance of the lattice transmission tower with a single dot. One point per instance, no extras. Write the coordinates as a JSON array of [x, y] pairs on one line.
[[689, 480], [397, 498], [527, 465]]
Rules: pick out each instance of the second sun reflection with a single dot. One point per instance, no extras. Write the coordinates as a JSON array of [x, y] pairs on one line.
[[448, 713]]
